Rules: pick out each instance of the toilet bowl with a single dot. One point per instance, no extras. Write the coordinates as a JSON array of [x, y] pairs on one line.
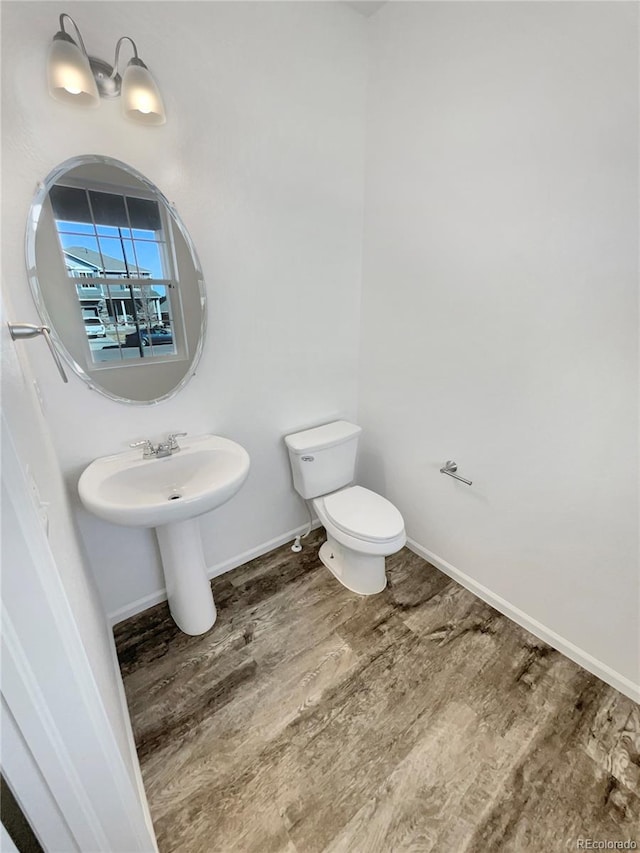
[[363, 528]]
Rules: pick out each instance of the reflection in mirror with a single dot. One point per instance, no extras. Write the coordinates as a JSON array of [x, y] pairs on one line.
[[114, 272], [115, 243]]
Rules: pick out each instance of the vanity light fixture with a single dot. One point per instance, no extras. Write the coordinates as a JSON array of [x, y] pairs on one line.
[[77, 78]]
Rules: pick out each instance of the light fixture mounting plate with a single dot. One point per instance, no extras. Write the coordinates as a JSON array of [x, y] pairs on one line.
[[108, 86]]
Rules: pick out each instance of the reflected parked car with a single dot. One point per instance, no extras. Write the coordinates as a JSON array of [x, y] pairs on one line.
[[156, 336], [94, 327]]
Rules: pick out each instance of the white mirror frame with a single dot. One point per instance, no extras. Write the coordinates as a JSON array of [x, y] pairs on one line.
[[32, 273]]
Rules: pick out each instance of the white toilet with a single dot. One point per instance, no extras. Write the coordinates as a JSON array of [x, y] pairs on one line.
[[362, 526]]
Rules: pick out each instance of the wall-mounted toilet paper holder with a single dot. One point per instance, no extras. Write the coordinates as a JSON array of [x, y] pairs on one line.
[[450, 468]]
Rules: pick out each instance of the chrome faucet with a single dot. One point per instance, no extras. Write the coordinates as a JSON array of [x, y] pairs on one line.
[[159, 451]]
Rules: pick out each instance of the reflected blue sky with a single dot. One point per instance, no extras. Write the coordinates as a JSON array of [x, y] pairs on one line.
[[116, 243]]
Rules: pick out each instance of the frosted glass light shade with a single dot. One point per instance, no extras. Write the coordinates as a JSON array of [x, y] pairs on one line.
[[70, 77], [141, 99]]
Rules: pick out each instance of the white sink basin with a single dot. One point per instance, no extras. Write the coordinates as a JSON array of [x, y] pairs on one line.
[[127, 489], [168, 494]]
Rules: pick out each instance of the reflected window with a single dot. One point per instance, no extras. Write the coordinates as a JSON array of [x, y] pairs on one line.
[[116, 251]]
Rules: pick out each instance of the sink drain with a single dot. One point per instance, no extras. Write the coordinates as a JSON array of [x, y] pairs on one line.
[[175, 497]]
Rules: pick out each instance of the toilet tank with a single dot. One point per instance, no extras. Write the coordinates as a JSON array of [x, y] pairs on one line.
[[323, 459]]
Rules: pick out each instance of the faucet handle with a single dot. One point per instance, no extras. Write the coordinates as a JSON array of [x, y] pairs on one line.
[[148, 449], [172, 439]]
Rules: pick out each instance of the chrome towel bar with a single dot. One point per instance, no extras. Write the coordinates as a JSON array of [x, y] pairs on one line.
[[24, 331], [450, 468]]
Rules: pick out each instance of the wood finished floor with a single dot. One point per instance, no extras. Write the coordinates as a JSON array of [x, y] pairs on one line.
[[311, 719]]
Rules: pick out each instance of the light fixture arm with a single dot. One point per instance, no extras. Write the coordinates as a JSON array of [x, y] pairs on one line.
[[134, 61], [64, 34]]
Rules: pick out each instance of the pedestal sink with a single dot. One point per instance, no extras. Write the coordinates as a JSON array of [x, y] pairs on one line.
[[169, 493]]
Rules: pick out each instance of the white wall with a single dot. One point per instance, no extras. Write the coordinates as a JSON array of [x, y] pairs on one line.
[[262, 154], [499, 315]]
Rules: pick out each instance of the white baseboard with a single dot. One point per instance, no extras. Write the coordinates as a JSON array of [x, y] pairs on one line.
[[219, 569], [585, 660]]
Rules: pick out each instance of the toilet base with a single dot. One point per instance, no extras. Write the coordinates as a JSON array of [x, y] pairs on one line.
[[361, 573]]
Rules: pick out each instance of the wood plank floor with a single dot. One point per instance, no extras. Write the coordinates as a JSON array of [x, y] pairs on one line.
[[311, 719]]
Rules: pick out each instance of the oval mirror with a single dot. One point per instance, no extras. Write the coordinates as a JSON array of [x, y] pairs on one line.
[[115, 275]]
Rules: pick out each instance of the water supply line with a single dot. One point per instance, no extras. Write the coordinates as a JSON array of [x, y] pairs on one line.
[[297, 542]]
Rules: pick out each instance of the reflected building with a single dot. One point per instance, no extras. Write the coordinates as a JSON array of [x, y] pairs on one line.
[[114, 302]]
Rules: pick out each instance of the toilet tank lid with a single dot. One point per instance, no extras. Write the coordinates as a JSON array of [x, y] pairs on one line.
[[320, 437]]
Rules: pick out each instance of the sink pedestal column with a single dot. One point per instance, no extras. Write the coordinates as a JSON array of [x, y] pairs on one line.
[[188, 587]]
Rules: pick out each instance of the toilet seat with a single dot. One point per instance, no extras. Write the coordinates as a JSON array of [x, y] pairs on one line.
[[363, 514]]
